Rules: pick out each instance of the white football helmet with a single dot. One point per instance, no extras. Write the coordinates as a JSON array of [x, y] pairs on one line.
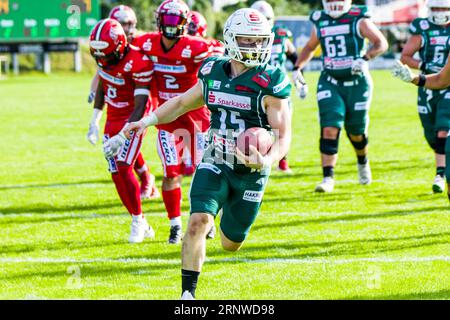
[[336, 8], [440, 16], [266, 9], [248, 23]]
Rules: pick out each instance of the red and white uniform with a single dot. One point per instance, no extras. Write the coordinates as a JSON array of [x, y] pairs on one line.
[[119, 84], [175, 73], [216, 47]]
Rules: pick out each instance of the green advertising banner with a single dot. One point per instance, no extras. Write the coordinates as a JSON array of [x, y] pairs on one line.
[[47, 20]]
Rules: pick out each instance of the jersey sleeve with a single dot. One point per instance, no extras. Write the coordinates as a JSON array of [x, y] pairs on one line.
[[203, 51], [143, 72], [280, 85], [365, 12], [414, 27], [206, 67]]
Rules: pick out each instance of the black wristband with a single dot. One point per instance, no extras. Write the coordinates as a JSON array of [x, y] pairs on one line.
[[422, 80], [295, 68], [365, 57]]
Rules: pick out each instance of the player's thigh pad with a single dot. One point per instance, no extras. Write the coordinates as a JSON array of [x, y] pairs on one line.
[[427, 107], [357, 100], [331, 105], [243, 204], [209, 189], [170, 153], [443, 111], [130, 150]]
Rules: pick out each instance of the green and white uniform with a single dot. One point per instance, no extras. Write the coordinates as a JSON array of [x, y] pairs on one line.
[[433, 105], [279, 48], [236, 105], [344, 99]]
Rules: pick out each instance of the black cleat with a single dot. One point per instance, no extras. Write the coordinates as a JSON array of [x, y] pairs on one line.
[[175, 235], [212, 232]]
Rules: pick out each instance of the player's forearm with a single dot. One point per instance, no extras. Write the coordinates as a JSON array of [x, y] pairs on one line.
[[378, 47], [166, 113], [140, 103], [410, 61], [280, 147], [94, 82], [434, 81], [305, 56], [99, 101]]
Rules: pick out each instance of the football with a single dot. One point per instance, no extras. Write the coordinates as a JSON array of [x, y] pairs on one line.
[[258, 137]]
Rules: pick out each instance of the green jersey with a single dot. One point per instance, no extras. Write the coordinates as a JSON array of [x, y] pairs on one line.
[[237, 104], [435, 44], [279, 47], [340, 40]]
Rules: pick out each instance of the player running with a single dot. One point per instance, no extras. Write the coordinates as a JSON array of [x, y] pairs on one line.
[[124, 85], [177, 58], [344, 89], [435, 77], [429, 38], [127, 18], [282, 49], [241, 91]]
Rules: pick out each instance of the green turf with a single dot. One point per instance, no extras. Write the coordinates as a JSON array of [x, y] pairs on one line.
[[64, 231]]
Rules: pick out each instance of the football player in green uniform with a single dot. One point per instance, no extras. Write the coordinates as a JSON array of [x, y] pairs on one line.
[[242, 91], [429, 38], [435, 81], [282, 50], [344, 90]]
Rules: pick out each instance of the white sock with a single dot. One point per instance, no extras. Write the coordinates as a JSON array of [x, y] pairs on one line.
[[137, 218], [175, 222]]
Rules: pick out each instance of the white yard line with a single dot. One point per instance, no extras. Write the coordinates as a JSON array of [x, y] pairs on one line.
[[242, 260]]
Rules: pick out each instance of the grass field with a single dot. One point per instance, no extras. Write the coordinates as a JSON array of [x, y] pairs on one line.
[[64, 232]]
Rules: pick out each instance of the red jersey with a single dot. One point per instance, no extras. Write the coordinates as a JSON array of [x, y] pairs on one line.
[[176, 72], [120, 80], [216, 47]]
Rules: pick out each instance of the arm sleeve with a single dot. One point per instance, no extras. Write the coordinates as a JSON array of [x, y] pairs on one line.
[[281, 87], [414, 27]]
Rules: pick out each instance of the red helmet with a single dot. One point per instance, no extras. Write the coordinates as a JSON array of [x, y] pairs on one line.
[[108, 42], [197, 24], [172, 18], [126, 17]]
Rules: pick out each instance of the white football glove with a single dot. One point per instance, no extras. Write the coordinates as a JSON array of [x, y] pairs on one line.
[[359, 66], [91, 97], [402, 72], [112, 146], [300, 84], [92, 134]]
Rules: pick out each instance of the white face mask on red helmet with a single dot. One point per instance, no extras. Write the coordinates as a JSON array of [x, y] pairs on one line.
[[266, 9], [336, 8], [248, 23], [439, 16]]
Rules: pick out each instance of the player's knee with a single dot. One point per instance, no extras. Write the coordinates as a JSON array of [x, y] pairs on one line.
[[430, 136], [170, 183], [198, 224], [440, 145], [329, 146], [331, 133], [228, 244], [359, 142]]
